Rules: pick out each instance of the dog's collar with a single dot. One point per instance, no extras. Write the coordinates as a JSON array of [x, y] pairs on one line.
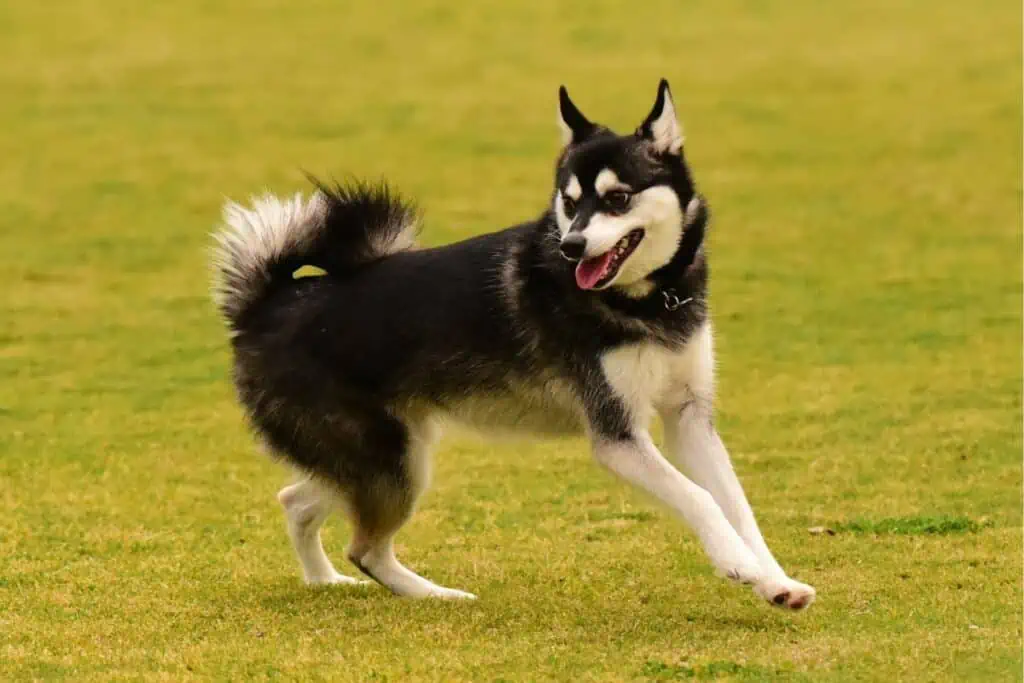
[[672, 300]]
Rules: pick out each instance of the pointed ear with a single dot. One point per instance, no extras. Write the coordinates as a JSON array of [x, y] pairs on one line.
[[573, 124], [661, 126]]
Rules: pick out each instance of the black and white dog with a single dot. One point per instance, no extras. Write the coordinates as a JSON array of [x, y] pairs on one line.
[[592, 317]]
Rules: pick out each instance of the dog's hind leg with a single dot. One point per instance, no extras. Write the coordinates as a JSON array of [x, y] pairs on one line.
[[307, 504], [379, 509], [372, 550]]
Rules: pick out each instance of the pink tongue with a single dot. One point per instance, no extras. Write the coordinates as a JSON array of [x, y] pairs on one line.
[[590, 271]]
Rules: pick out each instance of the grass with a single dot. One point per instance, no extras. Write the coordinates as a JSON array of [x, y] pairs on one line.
[[909, 526], [863, 163]]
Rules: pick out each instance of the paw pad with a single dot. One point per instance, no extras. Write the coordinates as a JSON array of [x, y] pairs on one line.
[[799, 603]]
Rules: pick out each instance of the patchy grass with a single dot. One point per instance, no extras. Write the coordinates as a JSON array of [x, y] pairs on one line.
[[910, 526], [711, 671], [863, 164]]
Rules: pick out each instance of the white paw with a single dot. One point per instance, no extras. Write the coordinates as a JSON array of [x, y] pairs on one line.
[[334, 579], [739, 565], [785, 592], [449, 594]]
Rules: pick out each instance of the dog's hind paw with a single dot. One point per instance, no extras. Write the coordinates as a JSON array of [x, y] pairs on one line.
[[787, 593], [442, 593], [334, 579]]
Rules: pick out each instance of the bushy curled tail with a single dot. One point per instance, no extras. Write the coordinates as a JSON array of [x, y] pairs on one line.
[[338, 229]]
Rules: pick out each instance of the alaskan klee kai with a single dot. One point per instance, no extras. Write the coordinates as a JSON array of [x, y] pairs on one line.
[[592, 318]]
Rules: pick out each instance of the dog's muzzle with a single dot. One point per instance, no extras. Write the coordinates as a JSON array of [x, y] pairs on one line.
[[573, 245]]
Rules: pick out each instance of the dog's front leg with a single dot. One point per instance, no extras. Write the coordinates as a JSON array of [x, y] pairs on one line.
[[693, 443], [636, 459]]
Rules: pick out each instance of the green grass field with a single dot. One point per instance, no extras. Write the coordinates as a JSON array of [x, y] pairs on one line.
[[863, 160]]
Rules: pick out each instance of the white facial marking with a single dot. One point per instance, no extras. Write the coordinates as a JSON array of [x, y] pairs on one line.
[[564, 223], [573, 189], [666, 131], [607, 181], [603, 231], [658, 212]]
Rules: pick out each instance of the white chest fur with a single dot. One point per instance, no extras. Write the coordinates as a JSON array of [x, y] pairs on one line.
[[649, 376]]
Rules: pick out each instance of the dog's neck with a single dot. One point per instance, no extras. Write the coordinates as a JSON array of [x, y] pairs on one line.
[[688, 257]]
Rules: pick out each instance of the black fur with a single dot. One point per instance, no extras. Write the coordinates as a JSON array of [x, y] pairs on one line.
[[579, 125], [358, 215]]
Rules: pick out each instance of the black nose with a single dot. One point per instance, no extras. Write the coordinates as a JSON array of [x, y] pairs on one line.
[[573, 246]]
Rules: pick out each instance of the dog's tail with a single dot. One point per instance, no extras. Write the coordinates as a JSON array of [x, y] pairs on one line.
[[337, 229]]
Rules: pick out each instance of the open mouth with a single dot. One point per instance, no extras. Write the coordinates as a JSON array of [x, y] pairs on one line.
[[596, 272]]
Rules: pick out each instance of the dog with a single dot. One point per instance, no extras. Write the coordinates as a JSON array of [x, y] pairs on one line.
[[591, 318]]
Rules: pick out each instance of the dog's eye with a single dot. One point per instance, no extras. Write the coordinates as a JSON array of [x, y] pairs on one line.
[[618, 201], [569, 206]]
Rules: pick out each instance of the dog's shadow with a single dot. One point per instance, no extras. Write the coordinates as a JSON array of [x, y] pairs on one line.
[[375, 608]]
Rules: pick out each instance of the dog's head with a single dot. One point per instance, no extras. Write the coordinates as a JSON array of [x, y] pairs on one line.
[[622, 202]]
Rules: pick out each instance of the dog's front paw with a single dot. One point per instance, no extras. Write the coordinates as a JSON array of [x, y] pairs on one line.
[[786, 592]]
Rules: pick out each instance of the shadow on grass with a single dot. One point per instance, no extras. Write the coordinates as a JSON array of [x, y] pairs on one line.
[[373, 606]]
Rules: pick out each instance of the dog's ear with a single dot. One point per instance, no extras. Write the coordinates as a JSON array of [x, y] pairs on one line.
[[574, 125], [661, 126]]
